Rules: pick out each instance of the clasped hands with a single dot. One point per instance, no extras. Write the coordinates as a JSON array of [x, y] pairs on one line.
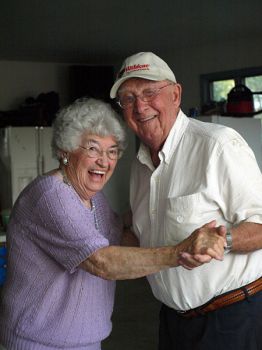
[[203, 245]]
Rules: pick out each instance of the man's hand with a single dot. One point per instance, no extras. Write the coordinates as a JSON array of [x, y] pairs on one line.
[[203, 245]]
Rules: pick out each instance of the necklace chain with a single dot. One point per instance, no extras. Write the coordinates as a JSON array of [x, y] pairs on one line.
[[93, 209]]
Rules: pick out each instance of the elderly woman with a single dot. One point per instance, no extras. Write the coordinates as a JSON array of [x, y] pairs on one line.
[[63, 241]]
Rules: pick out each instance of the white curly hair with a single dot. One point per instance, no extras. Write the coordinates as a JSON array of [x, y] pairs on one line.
[[85, 114]]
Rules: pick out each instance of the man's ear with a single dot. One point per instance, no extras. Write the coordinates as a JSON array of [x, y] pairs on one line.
[[177, 92]]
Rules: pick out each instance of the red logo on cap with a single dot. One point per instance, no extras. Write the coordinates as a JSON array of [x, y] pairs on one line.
[[133, 68], [137, 67]]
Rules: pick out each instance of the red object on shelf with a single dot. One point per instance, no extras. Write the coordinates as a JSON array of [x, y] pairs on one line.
[[240, 100], [240, 107]]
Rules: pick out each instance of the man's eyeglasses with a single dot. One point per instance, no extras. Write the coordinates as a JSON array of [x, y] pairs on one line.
[[127, 100], [95, 152]]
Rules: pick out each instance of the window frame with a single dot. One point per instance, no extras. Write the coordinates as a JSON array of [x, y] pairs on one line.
[[238, 75]]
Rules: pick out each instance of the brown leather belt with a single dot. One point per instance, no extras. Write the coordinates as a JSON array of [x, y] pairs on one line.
[[225, 299]]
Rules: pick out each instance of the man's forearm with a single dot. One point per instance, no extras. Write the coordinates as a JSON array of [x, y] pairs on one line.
[[246, 237]]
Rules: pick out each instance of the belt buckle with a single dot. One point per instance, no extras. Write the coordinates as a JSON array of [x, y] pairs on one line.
[[181, 312], [187, 314]]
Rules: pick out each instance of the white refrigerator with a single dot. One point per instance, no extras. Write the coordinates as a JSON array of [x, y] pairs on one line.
[[249, 128], [25, 152]]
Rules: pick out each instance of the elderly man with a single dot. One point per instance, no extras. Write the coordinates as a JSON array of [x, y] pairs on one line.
[[187, 173]]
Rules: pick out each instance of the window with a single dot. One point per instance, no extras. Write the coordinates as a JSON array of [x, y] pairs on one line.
[[220, 89], [216, 86], [255, 85]]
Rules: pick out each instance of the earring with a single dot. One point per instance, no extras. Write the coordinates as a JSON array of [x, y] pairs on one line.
[[65, 160]]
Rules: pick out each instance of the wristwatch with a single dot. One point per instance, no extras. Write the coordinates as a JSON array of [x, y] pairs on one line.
[[229, 242]]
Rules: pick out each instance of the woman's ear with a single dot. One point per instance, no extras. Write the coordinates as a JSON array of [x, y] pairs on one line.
[[63, 157]]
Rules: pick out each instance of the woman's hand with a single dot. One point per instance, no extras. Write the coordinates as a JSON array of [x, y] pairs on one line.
[[203, 245]]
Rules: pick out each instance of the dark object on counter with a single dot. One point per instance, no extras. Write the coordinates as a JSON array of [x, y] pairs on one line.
[[38, 111], [45, 105], [214, 108], [50, 101]]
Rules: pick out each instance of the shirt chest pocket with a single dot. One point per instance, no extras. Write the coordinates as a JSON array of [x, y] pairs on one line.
[[183, 215]]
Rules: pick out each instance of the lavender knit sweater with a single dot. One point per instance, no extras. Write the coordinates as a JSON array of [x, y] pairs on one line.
[[48, 302]]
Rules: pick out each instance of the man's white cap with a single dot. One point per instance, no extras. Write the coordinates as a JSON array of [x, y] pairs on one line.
[[144, 65]]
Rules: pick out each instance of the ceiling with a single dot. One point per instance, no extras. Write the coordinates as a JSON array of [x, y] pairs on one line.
[[107, 30]]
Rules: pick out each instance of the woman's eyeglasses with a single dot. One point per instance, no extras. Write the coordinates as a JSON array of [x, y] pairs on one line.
[[95, 152]]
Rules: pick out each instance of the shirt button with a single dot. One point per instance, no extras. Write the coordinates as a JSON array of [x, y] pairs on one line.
[[180, 218]]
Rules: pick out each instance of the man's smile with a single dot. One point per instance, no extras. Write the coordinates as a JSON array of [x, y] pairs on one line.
[[146, 119]]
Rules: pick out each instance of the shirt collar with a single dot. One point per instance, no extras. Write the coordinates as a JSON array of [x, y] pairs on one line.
[[144, 156]]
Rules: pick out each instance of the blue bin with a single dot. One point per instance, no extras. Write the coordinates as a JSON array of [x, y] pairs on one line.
[[2, 275], [3, 251]]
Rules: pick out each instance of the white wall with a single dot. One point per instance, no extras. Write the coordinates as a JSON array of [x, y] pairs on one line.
[[20, 80]]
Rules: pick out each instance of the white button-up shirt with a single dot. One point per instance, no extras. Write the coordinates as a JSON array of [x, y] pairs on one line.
[[206, 172]]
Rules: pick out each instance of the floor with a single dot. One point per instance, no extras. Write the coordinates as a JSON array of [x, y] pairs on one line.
[[135, 317]]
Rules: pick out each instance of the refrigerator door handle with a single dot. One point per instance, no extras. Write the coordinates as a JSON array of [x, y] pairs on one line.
[[39, 147], [41, 152]]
